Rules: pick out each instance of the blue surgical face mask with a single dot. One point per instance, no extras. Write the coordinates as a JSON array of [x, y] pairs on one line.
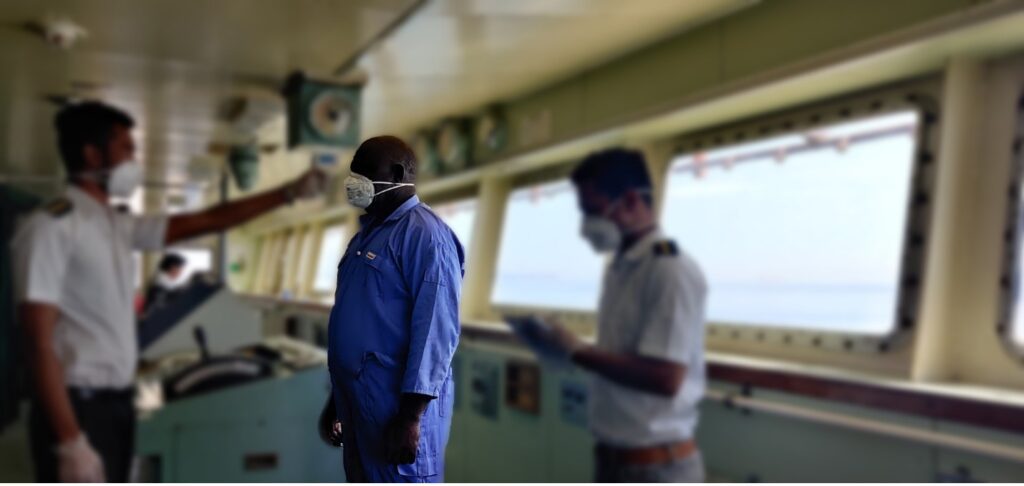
[[360, 189]]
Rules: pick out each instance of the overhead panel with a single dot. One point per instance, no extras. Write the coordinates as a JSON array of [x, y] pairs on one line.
[[459, 56], [169, 63]]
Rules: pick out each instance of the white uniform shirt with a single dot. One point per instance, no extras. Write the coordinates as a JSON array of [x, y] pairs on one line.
[[76, 254], [652, 304]]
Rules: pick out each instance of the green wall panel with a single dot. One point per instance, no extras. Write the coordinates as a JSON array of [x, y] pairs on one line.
[[498, 448], [206, 438], [568, 445], [738, 445], [516, 446], [753, 446], [210, 453], [953, 463]]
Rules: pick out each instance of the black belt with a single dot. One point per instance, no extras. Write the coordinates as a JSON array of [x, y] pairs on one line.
[[87, 393]]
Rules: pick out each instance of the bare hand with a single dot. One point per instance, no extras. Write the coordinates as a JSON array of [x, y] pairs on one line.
[[401, 440], [308, 185], [332, 433], [329, 426], [78, 462]]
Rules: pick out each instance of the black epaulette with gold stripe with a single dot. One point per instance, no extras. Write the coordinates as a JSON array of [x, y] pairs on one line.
[[58, 207], [666, 248]]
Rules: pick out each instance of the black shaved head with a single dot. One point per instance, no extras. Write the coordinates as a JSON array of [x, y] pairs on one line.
[[385, 158]]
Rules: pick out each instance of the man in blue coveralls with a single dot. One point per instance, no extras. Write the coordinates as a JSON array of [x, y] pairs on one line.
[[395, 324]]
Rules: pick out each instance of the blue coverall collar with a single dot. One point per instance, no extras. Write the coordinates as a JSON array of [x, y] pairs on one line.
[[400, 211]]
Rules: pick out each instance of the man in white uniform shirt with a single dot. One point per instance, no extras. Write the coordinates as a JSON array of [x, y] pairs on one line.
[[648, 362], [74, 284]]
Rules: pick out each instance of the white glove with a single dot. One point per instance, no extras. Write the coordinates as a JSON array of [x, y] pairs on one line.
[[308, 185], [78, 462]]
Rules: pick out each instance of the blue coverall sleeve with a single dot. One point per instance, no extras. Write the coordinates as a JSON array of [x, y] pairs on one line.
[[433, 271]]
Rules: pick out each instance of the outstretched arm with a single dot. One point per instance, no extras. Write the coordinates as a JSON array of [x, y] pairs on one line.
[[227, 215]]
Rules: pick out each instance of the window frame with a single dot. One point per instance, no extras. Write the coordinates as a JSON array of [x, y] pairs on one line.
[[918, 96], [347, 235], [275, 267], [1013, 236], [290, 254], [466, 197], [306, 259], [577, 320], [265, 259]]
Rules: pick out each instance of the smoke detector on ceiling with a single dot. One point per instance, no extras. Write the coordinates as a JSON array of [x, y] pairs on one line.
[[61, 32]]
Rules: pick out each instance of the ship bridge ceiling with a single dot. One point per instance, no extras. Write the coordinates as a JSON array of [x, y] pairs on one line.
[[455, 56], [173, 63]]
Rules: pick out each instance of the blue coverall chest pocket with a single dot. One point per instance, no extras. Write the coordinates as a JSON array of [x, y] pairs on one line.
[[382, 276]]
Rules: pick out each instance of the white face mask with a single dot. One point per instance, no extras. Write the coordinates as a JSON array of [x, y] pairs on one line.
[[124, 179], [360, 191], [602, 234], [121, 181]]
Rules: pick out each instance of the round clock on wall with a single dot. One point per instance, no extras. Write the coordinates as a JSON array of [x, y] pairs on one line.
[[492, 130], [426, 153], [330, 114], [453, 146]]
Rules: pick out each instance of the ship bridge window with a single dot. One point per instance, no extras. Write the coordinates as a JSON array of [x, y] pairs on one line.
[[332, 246], [1016, 331], [197, 260], [262, 260], [542, 261], [801, 231], [1011, 325], [307, 246], [271, 249], [286, 287], [459, 216]]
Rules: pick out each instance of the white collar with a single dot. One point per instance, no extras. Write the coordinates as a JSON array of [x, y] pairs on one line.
[[80, 197], [643, 246]]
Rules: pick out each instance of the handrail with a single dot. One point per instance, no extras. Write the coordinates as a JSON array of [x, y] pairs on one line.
[[978, 411], [889, 429], [271, 302]]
